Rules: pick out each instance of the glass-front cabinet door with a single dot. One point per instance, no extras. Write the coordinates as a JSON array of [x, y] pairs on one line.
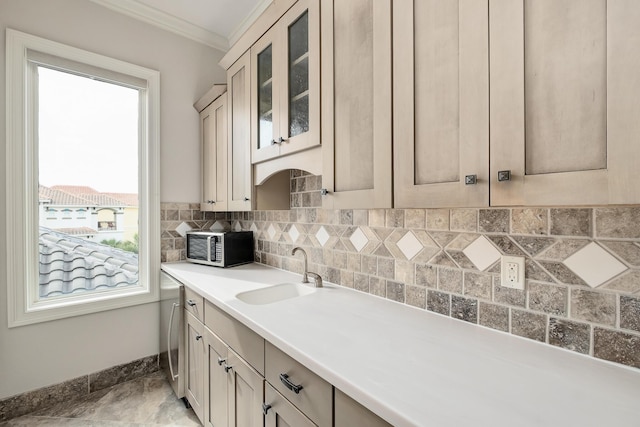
[[298, 67], [286, 84], [265, 128]]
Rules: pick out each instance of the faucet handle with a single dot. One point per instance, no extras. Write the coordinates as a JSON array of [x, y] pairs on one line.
[[316, 278]]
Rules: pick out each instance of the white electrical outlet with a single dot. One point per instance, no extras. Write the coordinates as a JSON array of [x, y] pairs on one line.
[[512, 272]]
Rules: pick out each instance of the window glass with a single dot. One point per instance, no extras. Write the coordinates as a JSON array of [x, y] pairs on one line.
[[87, 143]]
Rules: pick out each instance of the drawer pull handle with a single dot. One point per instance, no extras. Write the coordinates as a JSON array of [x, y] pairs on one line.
[[284, 378], [227, 368], [191, 303], [221, 361], [198, 337], [265, 408], [504, 176]]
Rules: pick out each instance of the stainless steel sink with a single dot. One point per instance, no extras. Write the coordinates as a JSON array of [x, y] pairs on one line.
[[275, 293]]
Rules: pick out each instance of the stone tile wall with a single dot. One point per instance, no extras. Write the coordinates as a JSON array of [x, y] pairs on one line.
[[582, 264], [175, 219]]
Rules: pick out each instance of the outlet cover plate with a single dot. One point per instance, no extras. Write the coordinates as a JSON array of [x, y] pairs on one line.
[[512, 272]]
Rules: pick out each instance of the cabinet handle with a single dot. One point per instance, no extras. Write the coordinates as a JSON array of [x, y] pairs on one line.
[[221, 361], [504, 176], [470, 179], [227, 368], [274, 142], [284, 378], [246, 199], [191, 303], [212, 202], [265, 408], [198, 337], [324, 191], [281, 140]]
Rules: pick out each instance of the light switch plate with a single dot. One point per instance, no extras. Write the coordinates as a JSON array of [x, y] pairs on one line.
[[512, 272]]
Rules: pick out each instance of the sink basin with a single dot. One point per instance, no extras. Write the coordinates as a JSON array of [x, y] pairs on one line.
[[275, 293]]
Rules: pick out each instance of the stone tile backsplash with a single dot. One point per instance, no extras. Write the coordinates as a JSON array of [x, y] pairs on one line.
[[447, 261]]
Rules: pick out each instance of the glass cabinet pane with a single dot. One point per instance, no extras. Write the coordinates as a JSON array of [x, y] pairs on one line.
[[299, 76], [265, 97]]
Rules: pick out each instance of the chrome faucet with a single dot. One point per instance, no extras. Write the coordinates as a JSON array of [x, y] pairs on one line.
[[305, 276]]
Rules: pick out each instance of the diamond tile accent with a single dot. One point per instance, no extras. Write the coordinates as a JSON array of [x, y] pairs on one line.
[[482, 253], [409, 245], [220, 226], [594, 265], [294, 233], [322, 236], [183, 228], [253, 227], [237, 226], [271, 231], [359, 239]]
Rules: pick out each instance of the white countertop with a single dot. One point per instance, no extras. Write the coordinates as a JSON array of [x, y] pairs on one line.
[[417, 368]]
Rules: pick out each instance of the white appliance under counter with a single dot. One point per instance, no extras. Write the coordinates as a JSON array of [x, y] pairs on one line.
[[415, 368]]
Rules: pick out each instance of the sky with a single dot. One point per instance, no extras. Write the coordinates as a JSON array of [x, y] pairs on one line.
[[88, 133]]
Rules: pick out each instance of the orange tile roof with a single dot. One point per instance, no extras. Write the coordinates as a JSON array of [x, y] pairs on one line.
[[85, 196]]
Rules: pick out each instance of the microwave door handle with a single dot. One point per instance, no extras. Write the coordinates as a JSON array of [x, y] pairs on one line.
[[209, 248]]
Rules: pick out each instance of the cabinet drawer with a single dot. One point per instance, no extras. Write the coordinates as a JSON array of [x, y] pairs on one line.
[[284, 374], [194, 303], [280, 409], [245, 342]]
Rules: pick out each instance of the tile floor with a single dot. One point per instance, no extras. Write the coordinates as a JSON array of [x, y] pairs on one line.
[[147, 401]]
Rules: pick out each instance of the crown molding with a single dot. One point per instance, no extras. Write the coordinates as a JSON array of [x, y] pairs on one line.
[[250, 19], [167, 22]]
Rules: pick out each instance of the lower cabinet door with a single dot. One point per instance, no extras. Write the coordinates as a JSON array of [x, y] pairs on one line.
[[246, 393], [194, 387], [216, 411], [279, 412]]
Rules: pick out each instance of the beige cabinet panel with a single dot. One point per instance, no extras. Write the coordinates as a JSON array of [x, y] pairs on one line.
[[356, 103], [216, 412], [281, 413], [246, 393], [244, 341], [194, 381], [441, 103], [564, 101], [285, 84], [305, 390], [213, 131], [240, 185], [349, 413]]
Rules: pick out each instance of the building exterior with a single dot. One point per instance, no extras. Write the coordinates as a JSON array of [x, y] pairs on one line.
[[84, 212]]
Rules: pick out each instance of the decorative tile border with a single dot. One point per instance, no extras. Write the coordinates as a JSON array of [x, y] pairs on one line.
[[76, 388]]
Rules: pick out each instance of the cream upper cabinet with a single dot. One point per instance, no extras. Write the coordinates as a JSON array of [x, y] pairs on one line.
[[285, 84], [213, 132], [441, 103], [240, 184], [565, 101], [356, 104]]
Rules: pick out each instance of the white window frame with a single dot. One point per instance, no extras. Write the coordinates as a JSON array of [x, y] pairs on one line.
[[24, 305]]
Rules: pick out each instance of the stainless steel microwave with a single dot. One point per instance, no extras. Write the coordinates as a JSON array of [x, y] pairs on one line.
[[220, 249]]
